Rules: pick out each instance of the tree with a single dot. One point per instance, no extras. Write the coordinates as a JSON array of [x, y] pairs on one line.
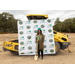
[[73, 25], [8, 23], [68, 25], [58, 24], [57, 21]]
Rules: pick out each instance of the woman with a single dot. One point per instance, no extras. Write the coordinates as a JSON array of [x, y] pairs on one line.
[[40, 42]]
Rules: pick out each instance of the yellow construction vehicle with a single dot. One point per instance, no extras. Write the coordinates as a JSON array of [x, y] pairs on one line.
[[61, 40]]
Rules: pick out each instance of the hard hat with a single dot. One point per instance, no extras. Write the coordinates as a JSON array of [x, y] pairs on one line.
[[39, 28]]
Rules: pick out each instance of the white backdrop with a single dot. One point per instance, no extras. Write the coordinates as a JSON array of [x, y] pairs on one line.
[[27, 31]]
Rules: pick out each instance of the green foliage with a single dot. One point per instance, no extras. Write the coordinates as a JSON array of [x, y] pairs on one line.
[[67, 25], [8, 23]]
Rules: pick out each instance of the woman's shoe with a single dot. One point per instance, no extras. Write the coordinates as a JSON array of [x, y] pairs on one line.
[[41, 58]]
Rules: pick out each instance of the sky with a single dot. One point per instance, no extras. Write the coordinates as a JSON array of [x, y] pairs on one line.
[[62, 14]]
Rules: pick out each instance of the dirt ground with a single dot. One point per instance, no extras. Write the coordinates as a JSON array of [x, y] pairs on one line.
[[64, 57]]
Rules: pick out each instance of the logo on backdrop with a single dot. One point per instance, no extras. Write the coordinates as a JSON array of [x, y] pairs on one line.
[[45, 46], [49, 30], [29, 48], [48, 20], [29, 32], [22, 53], [22, 43], [21, 27], [21, 37], [20, 22], [51, 45], [29, 37], [21, 32], [42, 26], [35, 26], [35, 21], [28, 27], [50, 35], [30, 52], [28, 22], [35, 31], [45, 51], [45, 41], [43, 31], [51, 50], [51, 40], [49, 25], [42, 21], [29, 42], [22, 48]]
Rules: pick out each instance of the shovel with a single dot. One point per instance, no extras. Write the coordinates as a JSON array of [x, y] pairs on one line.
[[36, 56]]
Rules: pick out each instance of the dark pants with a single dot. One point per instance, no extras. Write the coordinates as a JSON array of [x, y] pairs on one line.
[[39, 50]]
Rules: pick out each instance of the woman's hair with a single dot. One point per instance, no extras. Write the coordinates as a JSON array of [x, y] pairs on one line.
[[40, 32]]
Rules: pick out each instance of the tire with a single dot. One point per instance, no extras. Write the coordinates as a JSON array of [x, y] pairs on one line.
[[14, 53], [57, 47]]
